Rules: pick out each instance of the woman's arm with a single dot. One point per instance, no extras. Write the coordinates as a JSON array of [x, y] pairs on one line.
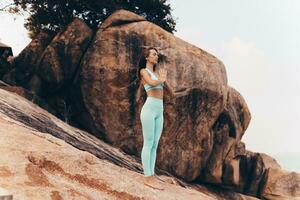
[[168, 88], [148, 79]]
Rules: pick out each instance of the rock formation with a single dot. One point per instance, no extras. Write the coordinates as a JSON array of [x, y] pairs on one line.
[[90, 81], [110, 88], [44, 158]]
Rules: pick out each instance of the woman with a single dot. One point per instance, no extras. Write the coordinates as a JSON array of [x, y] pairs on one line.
[[151, 115]]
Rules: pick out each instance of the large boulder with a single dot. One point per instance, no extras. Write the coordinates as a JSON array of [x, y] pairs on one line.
[[61, 58], [113, 96], [255, 167], [27, 62], [281, 184], [227, 132], [47, 67]]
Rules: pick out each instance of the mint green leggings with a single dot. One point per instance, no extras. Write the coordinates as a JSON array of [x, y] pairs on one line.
[[152, 125]]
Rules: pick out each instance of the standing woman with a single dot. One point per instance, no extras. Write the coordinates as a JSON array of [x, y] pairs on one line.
[[151, 115]]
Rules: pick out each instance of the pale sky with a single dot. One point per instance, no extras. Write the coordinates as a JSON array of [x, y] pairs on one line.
[[259, 43]]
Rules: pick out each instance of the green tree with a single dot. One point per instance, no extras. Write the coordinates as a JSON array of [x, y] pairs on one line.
[[52, 15]]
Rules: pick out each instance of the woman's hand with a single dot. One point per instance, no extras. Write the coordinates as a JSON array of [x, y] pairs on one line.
[[162, 75]]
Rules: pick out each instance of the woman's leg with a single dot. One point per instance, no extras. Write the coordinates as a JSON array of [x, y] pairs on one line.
[[159, 123], [147, 119]]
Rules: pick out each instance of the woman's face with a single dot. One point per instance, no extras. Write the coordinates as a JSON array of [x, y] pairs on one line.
[[152, 57]]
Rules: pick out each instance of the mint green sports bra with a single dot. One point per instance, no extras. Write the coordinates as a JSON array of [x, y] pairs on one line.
[[153, 77]]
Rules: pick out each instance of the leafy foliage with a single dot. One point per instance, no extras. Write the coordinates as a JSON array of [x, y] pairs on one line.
[[52, 15]]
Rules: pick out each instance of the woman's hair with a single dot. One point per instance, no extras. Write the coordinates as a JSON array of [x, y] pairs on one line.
[[142, 61]]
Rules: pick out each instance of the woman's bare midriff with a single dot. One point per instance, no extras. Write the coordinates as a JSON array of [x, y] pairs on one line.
[[158, 93], [155, 92]]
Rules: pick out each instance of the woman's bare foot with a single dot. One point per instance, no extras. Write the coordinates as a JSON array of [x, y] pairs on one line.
[[153, 182]]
